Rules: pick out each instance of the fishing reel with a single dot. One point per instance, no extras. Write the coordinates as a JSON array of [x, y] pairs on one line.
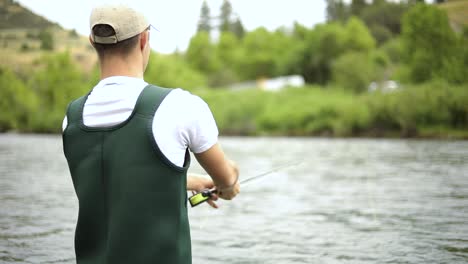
[[201, 197]]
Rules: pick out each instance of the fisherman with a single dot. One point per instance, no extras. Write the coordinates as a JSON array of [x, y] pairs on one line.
[[127, 146]]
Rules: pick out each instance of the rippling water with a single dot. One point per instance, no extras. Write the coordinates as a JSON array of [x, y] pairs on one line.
[[349, 201]]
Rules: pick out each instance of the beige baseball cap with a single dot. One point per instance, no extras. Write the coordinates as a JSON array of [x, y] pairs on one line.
[[125, 21]]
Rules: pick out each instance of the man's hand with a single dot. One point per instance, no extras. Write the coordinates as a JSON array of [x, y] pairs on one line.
[[198, 183], [222, 170], [228, 193]]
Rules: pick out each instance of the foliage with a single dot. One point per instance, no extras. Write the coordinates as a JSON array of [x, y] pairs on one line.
[[343, 56], [225, 17], [17, 103], [227, 49], [394, 50], [228, 53], [336, 10], [430, 43], [39, 104], [385, 14], [258, 48], [381, 16], [358, 37], [357, 6], [47, 40], [457, 10], [380, 33], [414, 109], [24, 47], [325, 43], [238, 28], [201, 53], [409, 111], [353, 71], [172, 71], [56, 83], [321, 46], [204, 21], [234, 111]]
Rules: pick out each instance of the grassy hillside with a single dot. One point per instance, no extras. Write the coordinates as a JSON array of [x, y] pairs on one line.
[[26, 37], [457, 11], [13, 15], [21, 48]]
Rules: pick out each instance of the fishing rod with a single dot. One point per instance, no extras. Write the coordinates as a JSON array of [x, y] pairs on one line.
[[206, 194]]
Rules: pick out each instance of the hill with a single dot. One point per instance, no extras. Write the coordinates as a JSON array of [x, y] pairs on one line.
[[25, 37], [13, 15], [457, 11]]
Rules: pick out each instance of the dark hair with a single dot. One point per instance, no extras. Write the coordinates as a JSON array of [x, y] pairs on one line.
[[123, 47]]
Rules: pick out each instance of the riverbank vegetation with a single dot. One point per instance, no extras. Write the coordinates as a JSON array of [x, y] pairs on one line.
[[436, 109], [347, 63], [429, 110]]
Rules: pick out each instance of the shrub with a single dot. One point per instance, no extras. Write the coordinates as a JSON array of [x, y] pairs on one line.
[[173, 71], [47, 40], [17, 103], [353, 71]]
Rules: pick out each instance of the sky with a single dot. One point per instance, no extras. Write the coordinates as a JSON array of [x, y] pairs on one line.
[[176, 20]]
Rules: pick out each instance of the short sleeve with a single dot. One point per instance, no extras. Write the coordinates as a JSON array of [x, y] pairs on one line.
[[182, 121], [202, 131], [64, 123]]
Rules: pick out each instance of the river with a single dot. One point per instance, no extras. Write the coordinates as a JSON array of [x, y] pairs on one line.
[[348, 201]]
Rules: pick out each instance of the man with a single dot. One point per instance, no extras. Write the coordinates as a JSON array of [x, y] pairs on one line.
[[126, 145]]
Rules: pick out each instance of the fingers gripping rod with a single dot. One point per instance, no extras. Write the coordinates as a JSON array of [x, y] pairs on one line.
[[206, 194]]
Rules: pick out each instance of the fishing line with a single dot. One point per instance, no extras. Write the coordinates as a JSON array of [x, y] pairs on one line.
[[206, 194]]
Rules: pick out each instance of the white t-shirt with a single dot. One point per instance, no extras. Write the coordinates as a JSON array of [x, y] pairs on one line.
[[183, 120]]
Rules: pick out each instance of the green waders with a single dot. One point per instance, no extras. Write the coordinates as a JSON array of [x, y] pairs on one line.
[[132, 199]]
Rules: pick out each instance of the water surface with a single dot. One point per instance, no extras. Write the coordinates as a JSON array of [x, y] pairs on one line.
[[349, 201]]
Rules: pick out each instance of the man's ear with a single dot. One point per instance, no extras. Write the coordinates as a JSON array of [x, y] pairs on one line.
[[144, 38]]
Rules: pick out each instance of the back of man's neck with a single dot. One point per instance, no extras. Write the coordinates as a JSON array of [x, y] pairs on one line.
[[120, 68]]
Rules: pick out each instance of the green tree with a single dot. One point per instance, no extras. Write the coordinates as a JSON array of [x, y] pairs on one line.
[[430, 44], [286, 59], [321, 46], [225, 17], [228, 53], [380, 33], [204, 23], [354, 71], [357, 6], [173, 71], [238, 28], [394, 50], [17, 103], [228, 50], [47, 40], [336, 10], [387, 14], [325, 43], [384, 19], [201, 53], [24, 47], [358, 36], [258, 54], [56, 83]]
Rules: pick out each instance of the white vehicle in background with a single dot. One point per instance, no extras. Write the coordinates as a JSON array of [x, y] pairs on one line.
[[272, 84], [384, 87]]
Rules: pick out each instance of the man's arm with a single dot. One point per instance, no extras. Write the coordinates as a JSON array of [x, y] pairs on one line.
[[223, 171], [199, 182]]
